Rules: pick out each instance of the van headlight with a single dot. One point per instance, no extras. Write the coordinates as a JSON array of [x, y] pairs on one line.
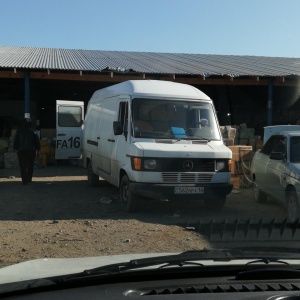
[[145, 164], [222, 165], [150, 164]]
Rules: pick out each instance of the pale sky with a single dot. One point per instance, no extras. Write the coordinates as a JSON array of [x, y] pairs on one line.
[[231, 27]]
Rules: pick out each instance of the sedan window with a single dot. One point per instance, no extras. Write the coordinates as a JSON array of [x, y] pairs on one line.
[[270, 144], [295, 149], [280, 146]]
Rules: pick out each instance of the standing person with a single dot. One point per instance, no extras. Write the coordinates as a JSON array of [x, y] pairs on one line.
[[26, 143]]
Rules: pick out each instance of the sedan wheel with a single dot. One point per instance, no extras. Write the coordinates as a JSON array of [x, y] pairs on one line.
[[292, 206]]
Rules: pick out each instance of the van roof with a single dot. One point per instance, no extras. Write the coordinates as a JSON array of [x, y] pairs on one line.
[[151, 88]]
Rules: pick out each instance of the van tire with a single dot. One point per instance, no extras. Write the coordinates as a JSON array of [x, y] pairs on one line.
[[215, 203], [127, 197], [93, 179]]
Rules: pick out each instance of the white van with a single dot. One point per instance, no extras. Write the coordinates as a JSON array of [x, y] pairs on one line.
[[156, 139]]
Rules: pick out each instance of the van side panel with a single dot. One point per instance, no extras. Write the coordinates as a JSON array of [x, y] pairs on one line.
[[90, 137], [106, 136]]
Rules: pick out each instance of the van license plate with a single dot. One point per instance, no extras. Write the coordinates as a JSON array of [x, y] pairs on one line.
[[189, 190]]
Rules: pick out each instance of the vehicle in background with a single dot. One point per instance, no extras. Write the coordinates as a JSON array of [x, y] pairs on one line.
[[270, 130], [69, 125], [275, 169], [156, 139]]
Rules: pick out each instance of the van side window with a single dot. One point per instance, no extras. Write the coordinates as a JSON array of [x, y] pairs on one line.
[[69, 116], [123, 116]]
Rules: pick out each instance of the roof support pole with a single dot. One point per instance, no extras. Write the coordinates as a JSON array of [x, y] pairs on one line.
[[270, 101], [27, 94]]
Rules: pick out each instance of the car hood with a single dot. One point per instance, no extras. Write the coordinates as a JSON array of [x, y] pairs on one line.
[[48, 267], [52, 267], [295, 170], [185, 149]]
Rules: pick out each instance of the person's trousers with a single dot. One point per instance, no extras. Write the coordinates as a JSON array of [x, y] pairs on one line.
[[26, 163]]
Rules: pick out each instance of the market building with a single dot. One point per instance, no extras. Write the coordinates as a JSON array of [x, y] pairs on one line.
[[253, 90]]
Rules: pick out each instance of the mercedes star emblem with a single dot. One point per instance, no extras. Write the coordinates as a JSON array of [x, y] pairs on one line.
[[188, 165]]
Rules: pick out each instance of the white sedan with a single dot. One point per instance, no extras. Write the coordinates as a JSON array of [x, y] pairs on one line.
[[275, 171]]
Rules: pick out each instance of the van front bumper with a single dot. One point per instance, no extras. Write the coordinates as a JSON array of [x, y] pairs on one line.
[[179, 191]]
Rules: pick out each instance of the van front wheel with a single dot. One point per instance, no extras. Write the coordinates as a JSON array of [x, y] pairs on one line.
[[128, 199]]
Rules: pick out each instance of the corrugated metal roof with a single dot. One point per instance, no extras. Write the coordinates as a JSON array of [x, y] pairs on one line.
[[147, 62]]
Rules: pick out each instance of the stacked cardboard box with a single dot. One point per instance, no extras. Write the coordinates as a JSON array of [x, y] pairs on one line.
[[240, 165], [240, 135], [48, 136], [45, 147], [229, 135], [48, 133]]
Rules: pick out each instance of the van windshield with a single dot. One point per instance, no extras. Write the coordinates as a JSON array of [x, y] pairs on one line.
[[154, 118]]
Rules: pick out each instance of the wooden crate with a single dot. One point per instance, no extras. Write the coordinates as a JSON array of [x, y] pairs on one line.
[[241, 152]]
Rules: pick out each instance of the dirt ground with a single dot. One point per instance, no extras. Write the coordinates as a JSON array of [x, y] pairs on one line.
[[59, 215]]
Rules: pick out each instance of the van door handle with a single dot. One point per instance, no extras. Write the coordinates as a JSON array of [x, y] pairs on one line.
[[111, 140], [98, 137], [61, 134]]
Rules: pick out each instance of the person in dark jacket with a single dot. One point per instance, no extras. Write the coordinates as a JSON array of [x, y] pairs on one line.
[[26, 143]]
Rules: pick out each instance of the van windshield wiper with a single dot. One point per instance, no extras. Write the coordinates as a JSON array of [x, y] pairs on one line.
[[201, 138], [198, 138]]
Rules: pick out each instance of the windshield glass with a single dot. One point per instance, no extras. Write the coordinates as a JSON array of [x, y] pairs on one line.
[[134, 128], [152, 118]]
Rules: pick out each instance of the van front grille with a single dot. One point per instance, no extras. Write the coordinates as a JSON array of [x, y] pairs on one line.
[[187, 177], [179, 165]]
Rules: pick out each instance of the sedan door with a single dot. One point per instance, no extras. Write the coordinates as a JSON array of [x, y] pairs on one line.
[[276, 169], [261, 163]]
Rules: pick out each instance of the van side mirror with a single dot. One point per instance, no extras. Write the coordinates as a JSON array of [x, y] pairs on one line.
[[118, 128]]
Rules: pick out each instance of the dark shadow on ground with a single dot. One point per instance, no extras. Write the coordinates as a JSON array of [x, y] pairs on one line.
[[59, 198], [50, 171]]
